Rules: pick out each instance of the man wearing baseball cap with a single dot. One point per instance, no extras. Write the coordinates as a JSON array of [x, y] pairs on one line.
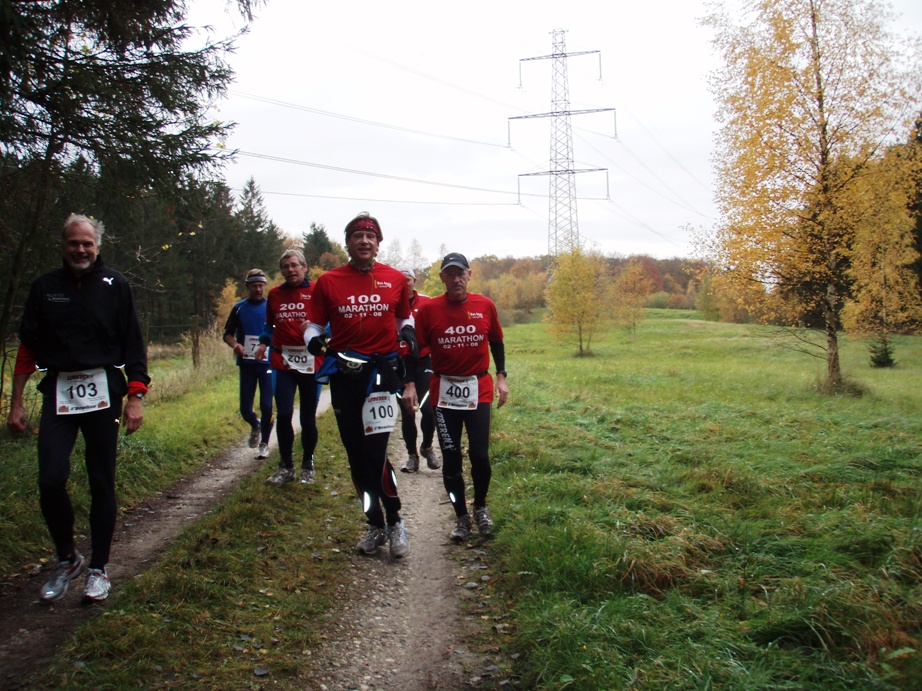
[[241, 332], [462, 331]]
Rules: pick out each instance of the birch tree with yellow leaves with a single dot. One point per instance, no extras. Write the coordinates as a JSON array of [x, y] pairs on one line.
[[885, 292], [577, 298], [811, 95]]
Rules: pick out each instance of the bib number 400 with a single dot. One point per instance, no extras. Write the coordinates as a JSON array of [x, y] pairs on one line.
[[458, 391]]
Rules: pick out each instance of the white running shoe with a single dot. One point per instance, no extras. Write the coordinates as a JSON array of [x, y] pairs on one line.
[[263, 451], [97, 586], [412, 464], [483, 520]]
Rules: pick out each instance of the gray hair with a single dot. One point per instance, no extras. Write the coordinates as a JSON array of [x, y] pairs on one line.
[[297, 254], [94, 223]]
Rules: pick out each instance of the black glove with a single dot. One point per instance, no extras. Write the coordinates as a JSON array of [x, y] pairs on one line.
[[408, 336], [316, 345]]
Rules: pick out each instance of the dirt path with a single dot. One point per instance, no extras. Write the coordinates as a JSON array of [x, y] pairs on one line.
[[402, 626]]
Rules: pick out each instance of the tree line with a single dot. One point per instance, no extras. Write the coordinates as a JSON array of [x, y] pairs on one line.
[[819, 163], [104, 110]]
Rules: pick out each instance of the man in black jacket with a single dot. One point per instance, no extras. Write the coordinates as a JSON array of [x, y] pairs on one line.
[[80, 325]]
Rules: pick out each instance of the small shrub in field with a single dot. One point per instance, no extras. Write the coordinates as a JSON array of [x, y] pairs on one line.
[[881, 351]]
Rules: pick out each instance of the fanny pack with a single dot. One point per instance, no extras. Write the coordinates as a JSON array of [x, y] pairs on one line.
[[383, 371]]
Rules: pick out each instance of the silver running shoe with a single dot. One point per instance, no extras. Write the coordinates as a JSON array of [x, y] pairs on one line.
[[397, 536], [374, 538], [254, 436], [412, 464], [64, 572], [483, 520], [307, 476], [263, 450], [97, 586], [462, 531], [281, 476], [432, 460]]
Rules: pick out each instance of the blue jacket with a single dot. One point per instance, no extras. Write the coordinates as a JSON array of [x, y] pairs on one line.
[[246, 318]]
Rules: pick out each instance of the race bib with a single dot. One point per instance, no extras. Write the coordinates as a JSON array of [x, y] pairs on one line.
[[460, 393], [297, 358], [379, 412], [250, 344], [82, 392]]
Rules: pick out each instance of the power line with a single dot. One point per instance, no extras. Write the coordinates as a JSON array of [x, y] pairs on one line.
[[373, 123], [368, 173], [385, 201], [323, 166]]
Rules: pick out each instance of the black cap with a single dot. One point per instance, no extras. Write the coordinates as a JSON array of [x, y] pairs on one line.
[[455, 259]]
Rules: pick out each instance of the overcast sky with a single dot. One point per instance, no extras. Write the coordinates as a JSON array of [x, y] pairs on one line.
[[403, 109]]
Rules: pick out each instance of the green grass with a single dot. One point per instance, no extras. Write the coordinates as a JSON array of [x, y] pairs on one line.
[[178, 436], [242, 589], [681, 511]]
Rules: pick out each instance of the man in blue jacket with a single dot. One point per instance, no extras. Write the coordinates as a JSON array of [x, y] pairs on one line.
[[241, 332]]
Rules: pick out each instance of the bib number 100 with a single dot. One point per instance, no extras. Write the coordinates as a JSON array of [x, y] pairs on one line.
[[382, 411], [379, 413]]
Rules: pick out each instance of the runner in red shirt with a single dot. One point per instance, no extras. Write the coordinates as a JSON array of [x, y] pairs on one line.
[[366, 304], [422, 380], [286, 319], [462, 330]]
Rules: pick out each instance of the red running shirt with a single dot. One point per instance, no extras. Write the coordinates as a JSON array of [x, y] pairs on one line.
[[416, 301], [458, 335], [361, 308], [286, 309]]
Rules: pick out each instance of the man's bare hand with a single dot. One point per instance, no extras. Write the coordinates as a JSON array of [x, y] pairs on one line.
[[16, 422], [132, 415]]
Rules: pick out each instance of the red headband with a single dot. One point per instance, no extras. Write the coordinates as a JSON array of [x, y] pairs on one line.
[[366, 224]]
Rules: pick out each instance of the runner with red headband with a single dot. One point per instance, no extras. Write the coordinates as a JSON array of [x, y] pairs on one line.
[[366, 304]]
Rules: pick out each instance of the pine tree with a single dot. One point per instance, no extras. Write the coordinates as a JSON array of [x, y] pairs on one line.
[[112, 82]]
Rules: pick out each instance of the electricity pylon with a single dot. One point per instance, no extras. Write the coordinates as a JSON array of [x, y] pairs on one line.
[[563, 225]]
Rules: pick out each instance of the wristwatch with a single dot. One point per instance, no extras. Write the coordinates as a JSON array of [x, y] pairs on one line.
[[137, 395], [502, 372]]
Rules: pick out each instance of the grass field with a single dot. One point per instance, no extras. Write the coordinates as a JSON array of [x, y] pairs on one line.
[[681, 511]]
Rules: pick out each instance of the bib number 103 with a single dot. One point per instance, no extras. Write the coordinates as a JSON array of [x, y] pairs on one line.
[[82, 392]]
